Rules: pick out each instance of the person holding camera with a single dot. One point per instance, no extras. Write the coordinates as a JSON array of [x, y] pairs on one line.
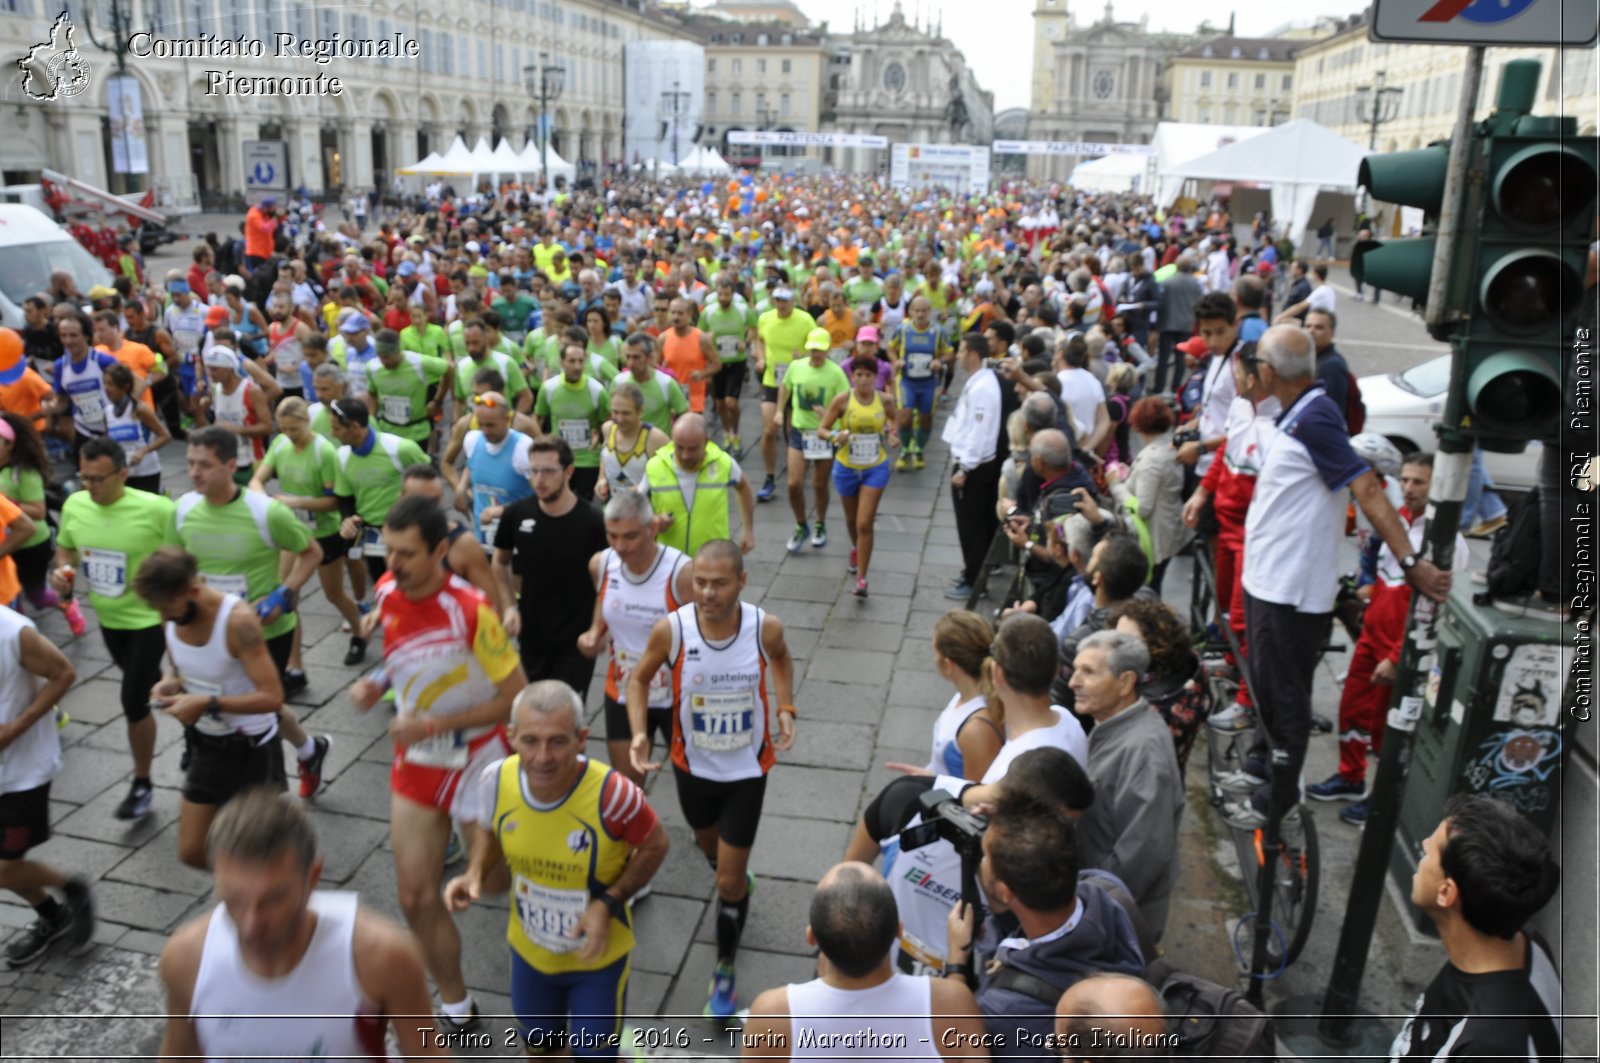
[[1060, 477], [859, 1006], [1065, 928]]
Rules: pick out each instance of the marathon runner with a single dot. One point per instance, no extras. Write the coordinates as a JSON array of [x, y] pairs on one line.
[[78, 379], [688, 484], [135, 427], [688, 353], [305, 465], [222, 687], [919, 348], [454, 674], [405, 390], [477, 355], [185, 318], [39, 676], [721, 652], [237, 536], [781, 334], [807, 390], [286, 337], [731, 324], [466, 557], [573, 406], [497, 468], [663, 398], [627, 442], [638, 583], [280, 966], [369, 468], [106, 532], [237, 406], [860, 426], [570, 925]]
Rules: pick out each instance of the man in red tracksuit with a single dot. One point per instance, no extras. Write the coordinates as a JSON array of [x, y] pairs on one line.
[[1364, 705], [1231, 483]]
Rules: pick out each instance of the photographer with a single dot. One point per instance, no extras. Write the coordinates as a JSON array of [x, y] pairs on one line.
[[1067, 928], [1050, 457]]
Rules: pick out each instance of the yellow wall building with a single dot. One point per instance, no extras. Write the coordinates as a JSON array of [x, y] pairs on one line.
[[1231, 81]]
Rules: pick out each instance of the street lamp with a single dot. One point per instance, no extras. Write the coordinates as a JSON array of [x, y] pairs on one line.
[[544, 81], [674, 105], [1377, 104], [122, 32]]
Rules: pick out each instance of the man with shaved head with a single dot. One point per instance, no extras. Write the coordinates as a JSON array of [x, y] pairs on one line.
[[1112, 1016], [689, 483], [859, 1006]]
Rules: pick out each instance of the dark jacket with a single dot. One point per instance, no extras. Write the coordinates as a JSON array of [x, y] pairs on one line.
[[1103, 942], [1055, 499], [1146, 293], [1179, 294], [1333, 373], [1299, 292]]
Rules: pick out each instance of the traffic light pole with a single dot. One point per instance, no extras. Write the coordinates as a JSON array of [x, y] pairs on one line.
[[1452, 466]]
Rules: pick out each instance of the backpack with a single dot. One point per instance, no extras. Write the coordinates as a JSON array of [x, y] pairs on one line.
[[1355, 411], [1514, 553]]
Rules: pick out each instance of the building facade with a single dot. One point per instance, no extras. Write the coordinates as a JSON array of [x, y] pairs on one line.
[[1230, 81], [761, 76], [462, 72], [1329, 72], [1099, 82], [904, 81]]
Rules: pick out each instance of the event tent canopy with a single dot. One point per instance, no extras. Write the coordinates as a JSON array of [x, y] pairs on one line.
[[1296, 160], [1118, 172], [457, 159], [431, 166], [1178, 142], [506, 163]]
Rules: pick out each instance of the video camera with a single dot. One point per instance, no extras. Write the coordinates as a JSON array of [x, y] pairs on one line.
[[944, 817]]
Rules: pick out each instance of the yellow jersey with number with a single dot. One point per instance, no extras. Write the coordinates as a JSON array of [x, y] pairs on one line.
[[866, 423], [563, 856]]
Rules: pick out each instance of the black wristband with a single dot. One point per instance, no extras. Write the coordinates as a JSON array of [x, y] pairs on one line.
[[619, 907], [962, 970]]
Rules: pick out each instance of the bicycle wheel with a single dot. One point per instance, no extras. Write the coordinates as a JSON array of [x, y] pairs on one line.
[[1294, 884]]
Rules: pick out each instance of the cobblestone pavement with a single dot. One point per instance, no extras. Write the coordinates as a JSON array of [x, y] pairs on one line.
[[867, 694]]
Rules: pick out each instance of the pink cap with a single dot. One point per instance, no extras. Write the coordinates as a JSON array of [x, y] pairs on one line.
[[867, 334]]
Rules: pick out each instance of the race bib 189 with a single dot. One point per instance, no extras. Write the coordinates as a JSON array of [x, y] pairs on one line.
[[106, 571]]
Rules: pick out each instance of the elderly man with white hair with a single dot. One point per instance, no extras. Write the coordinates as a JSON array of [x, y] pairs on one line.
[[1291, 562]]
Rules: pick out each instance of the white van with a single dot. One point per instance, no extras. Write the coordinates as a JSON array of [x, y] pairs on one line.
[[31, 248]]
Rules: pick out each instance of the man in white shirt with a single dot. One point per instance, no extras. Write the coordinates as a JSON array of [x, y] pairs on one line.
[[1322, 297], [1216, 317], [1082, 393], [973, 432]]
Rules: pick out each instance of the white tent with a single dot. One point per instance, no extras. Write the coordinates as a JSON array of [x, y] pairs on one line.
[[482, 158], [529, 157], [1178, 142], [432, 165], [656, 167], [506, 162], [560, 167], [1118, 172], [718, 163], [457, 159], [1296, 161]]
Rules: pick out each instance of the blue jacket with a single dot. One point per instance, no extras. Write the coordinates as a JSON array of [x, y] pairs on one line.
[[1103, 942]]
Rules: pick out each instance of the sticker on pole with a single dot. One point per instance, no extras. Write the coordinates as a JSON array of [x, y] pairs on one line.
[[1563, 23]]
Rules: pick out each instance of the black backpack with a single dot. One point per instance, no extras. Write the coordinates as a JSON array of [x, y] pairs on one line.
[[1210, 1021], [1514, 553]]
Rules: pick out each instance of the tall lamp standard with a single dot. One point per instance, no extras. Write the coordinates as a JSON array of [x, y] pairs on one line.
[[673, 105], [1376, 104], [122, 32], [544, 81]]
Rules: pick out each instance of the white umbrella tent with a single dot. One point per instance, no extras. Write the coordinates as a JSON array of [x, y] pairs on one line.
[[1298, 162], [1119, 172], [1178, 142]]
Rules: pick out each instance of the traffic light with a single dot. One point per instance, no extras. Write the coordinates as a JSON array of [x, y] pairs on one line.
[[1411, 179], [1534, 209]]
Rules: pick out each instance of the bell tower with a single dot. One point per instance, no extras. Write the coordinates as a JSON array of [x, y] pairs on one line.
[[1050, 24]]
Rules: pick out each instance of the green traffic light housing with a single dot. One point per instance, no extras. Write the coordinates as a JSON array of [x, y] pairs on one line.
[[1543, 185], [1412, 179], [1513, 395]]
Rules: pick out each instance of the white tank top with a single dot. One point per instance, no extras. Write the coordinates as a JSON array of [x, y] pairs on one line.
[[947, 759], [888, 1021], [1065, 734], [287, 354], [721, 697], [630, 606], [211, 670], [235, 410], [322, 1011], [124, 428], [625, 470], [35, 757]]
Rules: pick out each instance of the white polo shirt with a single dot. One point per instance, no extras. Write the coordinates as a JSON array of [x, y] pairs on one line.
[[1216, 397], [1296, 518]]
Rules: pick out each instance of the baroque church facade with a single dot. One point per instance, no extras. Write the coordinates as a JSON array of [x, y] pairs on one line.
[[904, 81], [1097, 82]]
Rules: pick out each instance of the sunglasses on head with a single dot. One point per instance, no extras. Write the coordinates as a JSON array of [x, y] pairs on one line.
[[488, 401]]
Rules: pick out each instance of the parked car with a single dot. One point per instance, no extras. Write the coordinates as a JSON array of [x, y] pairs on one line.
[[31, 248], [1405, 406]]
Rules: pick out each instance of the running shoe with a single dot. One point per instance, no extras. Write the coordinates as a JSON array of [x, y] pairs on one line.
[[819, 536], [74, 617], [294, 681], [356, 653], [62, 718], [733, 445], [1233, 718], [797, 541], [137, 804], [768, 490], [861, 587], [853, 559], [311, 767], [1335, 788], [960, 590], [80, 904], [1243, 814], [1355, 815], [455, 1025], [41, 933], [917, 460], [1239, 782], [721, 1004], [903, 462]]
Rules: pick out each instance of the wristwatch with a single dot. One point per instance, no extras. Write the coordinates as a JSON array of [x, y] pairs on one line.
[[1409, 562], [214, 706], [619, 908]]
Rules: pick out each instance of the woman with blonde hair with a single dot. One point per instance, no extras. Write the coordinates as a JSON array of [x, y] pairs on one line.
[[971, 728]]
